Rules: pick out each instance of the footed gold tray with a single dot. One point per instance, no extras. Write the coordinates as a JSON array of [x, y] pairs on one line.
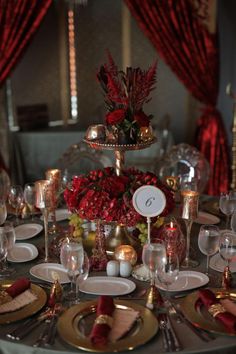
[[75, 325]]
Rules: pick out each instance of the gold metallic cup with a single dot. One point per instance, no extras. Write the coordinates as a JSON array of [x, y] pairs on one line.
[[44, 200], [54, 175], [189, 213]]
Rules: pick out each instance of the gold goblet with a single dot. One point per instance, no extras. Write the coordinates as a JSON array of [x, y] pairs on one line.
[[54, 176], [189, 213], [44, 201]]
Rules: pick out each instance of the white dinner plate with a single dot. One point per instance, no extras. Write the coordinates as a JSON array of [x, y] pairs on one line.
[[26, 231], [206, 219], [217, 263], [22, 252], [187, 280], [50, 272], [107, 286], [61, 214]]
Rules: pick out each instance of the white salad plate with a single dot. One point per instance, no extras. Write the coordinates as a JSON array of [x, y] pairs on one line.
[[107, 286], [187, 280], [61, 214], [217, 263], [206, 218], [26, 231], [22, 252], [50, 272]]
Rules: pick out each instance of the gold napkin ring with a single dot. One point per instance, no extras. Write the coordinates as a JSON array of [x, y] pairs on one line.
[[104, 319], [215, 309]]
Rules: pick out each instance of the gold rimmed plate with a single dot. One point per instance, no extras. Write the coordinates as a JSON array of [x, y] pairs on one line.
[[27, 310], [200, 316], [75, 325]]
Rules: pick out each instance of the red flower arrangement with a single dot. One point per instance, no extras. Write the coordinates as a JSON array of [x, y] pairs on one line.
[[102, 195], [125, 93]]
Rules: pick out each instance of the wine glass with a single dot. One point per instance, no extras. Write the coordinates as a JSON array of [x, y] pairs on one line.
[[208, 241], [227, 250], [9, 231], [83, 275], [3, 212], [3, 250], [168, 270], [30, 197], [227, 206], [72, 258], [152, 256], [16, 199]]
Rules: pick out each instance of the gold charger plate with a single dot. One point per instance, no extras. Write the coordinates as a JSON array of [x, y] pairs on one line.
[[75, 325], [200, 317], [27, 310]]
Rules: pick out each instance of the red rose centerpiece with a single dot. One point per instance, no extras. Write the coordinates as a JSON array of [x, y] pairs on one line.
[[125, 93], [103, 196]]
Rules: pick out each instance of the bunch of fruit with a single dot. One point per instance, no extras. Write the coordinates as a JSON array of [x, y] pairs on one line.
[[76, 223]]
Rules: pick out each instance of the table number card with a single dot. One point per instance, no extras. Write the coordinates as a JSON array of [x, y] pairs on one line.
[[149, 201]]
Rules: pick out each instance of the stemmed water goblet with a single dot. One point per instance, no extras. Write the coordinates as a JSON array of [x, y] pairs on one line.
[[30, 197], [72, 258], [227, 206], [209, 242], [9, 231], [227, 250], [16, 199], [82, 276], [152, 256], [168, 270], [3, 250]]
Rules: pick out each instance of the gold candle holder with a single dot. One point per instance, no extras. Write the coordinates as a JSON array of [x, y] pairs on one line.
[[125, 253], [44, 200], [54, 175], [189, 213]]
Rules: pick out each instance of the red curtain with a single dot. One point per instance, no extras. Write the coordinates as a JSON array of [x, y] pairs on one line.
[[187, 46], [19, 19]]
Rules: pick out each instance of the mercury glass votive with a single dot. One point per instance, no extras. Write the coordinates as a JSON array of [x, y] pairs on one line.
[[125, 253], [54, 175], [189, 212]]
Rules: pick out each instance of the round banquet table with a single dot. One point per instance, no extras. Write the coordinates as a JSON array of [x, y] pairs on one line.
[[190, 342]]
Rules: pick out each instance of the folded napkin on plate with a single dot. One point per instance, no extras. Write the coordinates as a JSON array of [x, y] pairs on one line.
[[216, 309], [18, 287], [16, 296], [103, 321], [123, 321]]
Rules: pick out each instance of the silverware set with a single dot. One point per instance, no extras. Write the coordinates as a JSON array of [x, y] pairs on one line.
[[170, 340]]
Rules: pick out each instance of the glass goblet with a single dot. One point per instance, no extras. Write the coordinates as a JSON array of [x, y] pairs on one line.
[[30, 197], [168, 270], [3, 212], [82, 276], [10, 235], [208, 241], [72, 258], [227, 206], [16, 199], [3, 251], [227, 250]]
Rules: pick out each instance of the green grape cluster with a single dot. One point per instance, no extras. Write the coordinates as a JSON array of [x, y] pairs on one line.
[[76, 222], [142, 227]]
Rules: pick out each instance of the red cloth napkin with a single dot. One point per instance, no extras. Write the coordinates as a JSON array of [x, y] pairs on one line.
[[100, 331], [208, 298], [18, 287]]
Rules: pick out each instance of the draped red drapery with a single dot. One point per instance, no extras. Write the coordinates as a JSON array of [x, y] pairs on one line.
[[187, 46], [19, 19]]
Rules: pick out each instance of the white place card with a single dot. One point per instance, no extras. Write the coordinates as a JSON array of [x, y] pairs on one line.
[[149, 201]]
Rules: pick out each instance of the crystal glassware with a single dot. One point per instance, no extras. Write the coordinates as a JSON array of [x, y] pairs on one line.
[[227, 250], [72, 259], [227, 206], [9, 231], [3, 212], [208, 241], [30, 197], [189, 213], [16, 199], [168, 270], [3, 251]]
